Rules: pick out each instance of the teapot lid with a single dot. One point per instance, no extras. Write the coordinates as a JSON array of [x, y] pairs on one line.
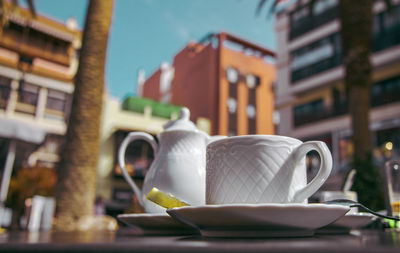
[[182, 123]]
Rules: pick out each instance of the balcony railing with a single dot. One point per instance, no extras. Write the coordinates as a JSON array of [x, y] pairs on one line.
[[383, 93], [35, 45], [387, 39], [316, 68], [386, 92], [326, 113], [384, 99], [300, 27], [386, 35]]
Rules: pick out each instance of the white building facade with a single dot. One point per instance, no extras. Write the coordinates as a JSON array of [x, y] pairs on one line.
[[310, 93]]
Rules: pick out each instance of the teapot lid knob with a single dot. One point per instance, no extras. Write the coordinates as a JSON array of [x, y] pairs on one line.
[[182, 123], [184, 114]]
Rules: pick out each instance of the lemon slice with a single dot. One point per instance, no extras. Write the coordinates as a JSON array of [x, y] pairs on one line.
[[163, 199]]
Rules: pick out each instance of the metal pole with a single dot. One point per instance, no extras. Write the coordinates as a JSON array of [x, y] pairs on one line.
[[5, 181], [387, 187]]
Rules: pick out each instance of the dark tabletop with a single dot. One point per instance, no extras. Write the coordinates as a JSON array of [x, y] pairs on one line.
[[131, 241]]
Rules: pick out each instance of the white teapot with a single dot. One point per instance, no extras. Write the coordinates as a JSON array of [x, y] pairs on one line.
[[179, 166]]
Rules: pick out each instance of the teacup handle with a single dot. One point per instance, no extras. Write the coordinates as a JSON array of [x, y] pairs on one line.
[[121, 158], [323, 172]]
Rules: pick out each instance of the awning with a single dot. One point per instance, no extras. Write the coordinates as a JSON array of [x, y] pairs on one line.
[[13, 129], [42, 27]]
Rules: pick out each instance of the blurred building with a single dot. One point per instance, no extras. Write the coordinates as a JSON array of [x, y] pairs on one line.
[[38, 61], [225, 81], [310, 94]]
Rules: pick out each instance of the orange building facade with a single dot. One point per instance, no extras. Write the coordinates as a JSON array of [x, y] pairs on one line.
[[38, 62], [223, 80]]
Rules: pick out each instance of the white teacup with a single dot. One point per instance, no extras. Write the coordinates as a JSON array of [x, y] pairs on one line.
[[262, 169]]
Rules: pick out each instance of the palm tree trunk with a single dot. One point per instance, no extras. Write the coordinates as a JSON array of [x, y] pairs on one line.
[[77, 171], [356, 21], [356, 33]]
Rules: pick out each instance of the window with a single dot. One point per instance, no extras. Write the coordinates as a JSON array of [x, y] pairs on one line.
[[27, 98], [301, 21], [299, 14], [56, 100], [386, 29], [28, 93], [308, 112], [320, 51], [252, 82], [232, 105], [323, 5], [251, 111], [386, 91], [56, 104], [5, 90], [233, 77], [232, 110], [316, 57]]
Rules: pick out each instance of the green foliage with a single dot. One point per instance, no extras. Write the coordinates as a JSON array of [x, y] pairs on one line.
[[29, 182], [165, 110], [368, 183], [158, 109], [136, 104]]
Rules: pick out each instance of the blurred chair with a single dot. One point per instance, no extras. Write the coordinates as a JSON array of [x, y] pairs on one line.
[[40, 213]]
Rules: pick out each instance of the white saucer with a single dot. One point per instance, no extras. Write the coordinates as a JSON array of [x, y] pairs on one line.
[[348, 222], [156, 224], [258, 220]]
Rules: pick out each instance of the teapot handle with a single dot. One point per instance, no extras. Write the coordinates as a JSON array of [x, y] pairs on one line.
[[323, 172], [121, 158]]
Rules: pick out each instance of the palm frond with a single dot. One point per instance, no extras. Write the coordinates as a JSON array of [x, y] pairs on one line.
[[4, 11], [259, 6], [31, 7], [271, 9]]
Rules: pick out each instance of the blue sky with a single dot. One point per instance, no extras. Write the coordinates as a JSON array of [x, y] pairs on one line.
[[145, 33]]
